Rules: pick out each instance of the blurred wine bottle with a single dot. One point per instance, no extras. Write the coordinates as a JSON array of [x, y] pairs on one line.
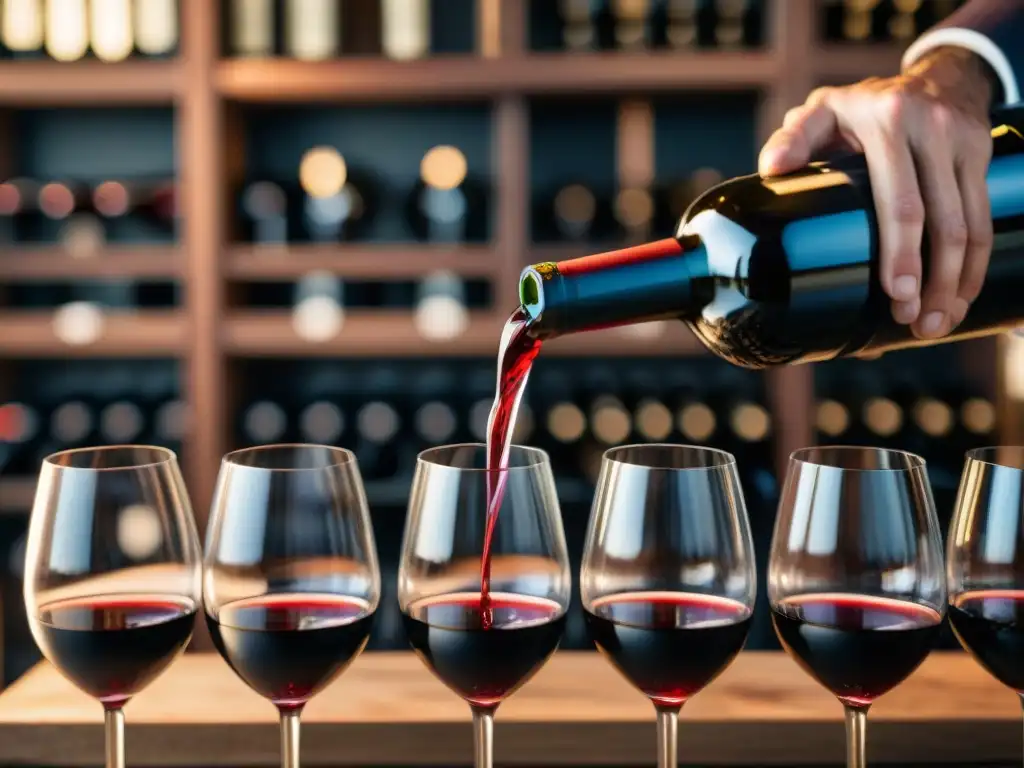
[[579, 30], [318, 310], [121, 422], [575, 207], [171, 423], [152, 203], [264, 422], [977, 415], [19, 433], [632, 23], [265, 212], [730, 18], [333, 206], [439, 203], [903, 23], [110, 29], [252, 28], [674, 198], [441, 313], [312, 29], [634, 212], [832, 418], [435, 400], [21, 31], [157, 27], [858, 19], [322, 423], [405, 29], [682, 23], [67, 29], [378, 425]]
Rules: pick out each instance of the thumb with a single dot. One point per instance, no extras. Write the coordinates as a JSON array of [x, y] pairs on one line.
[[806, 131]]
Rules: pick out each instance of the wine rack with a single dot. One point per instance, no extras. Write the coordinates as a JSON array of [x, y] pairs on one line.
[[571, 132]]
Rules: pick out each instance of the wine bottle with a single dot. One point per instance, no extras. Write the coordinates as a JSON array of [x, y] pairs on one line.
[[264, 422], [682, 29], [632, 23], [440, 203], [322, 423], [633, 209], [574, 207], [252, 28], [858, 19], [67, 29], [21, 27], [11, 205], [903, 23], [110, 29], [312, 29], [121, 423], [832, 418], [579, 30], [333, 205], [156, 27], [265, 207], [405, 29], [755, 260], [729, 22]]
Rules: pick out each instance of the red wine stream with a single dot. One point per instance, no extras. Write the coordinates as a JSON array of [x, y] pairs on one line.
[[516, 353]]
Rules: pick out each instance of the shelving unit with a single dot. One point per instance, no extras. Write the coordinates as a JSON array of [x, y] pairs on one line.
[[208, 92]]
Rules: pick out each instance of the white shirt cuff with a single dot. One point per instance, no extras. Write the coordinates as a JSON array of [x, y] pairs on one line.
[[973, 41]]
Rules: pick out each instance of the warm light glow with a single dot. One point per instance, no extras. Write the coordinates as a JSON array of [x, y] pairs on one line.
[[78, 324], [978, 416], [566, 423], [67, 29], [833, 418], [697, 422], [82, 236], [610, 422], [110, 29], [933, 417], [634, 207], [575, 204], [443, 167], [111, 199], [750, 422], [56, 201], [631, 10], [322, 172], [883, 416], [654, 420], [156, 26], [22, 25], [139, 531]]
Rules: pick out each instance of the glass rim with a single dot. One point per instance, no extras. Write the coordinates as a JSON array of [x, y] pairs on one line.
[[916, 461], [343, 457], [975, 455], [728, 459], [539, 457], [163, 456]]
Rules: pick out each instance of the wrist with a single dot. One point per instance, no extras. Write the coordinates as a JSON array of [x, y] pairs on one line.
[[962, 75]]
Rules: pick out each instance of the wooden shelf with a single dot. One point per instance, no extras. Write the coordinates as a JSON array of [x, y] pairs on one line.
[[45, 263], [88, 83], [269, 333], [17, 495], [387, 710], [465, 78], [394, 262], [156, 333], [837, 63]]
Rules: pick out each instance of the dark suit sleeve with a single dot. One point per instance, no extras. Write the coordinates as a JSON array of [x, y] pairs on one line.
[[993, 29]]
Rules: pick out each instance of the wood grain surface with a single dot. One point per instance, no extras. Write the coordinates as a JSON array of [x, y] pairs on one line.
[[388, 710]]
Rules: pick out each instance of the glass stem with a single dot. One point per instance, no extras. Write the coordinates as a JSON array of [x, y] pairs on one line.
[[290, 738], [113, 727], [668, 733], [856, 731], [483, 737]]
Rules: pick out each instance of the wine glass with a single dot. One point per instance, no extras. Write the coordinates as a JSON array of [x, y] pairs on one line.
[[855, 576], [668, 579], [112, 572], [985, 563], [483, 643], [291, 581]]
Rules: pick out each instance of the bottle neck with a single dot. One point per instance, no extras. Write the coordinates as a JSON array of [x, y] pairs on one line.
[[639, 284]]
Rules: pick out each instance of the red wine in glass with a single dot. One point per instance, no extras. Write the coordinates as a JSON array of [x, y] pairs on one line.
[[516, 353], [670, 645], [990, 625], [484, 659], [289, 646], [113, 646], [857, 646]]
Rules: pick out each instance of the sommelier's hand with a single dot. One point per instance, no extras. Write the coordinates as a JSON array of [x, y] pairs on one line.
[[926, 137]]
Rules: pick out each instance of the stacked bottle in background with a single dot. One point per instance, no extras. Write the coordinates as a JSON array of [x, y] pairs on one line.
[[875, 21], [107, 30]]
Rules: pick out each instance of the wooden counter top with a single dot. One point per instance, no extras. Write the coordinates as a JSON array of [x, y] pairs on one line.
[[388, 710]]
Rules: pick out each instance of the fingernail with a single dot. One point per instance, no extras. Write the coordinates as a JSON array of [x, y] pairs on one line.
[[933, 323], [771, 157], [905, 312], [904, 288]]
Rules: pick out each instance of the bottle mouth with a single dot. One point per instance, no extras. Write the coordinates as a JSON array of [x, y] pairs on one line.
[[531, 292]]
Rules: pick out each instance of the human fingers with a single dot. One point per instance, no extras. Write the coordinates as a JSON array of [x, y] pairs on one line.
[[805, 131]]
